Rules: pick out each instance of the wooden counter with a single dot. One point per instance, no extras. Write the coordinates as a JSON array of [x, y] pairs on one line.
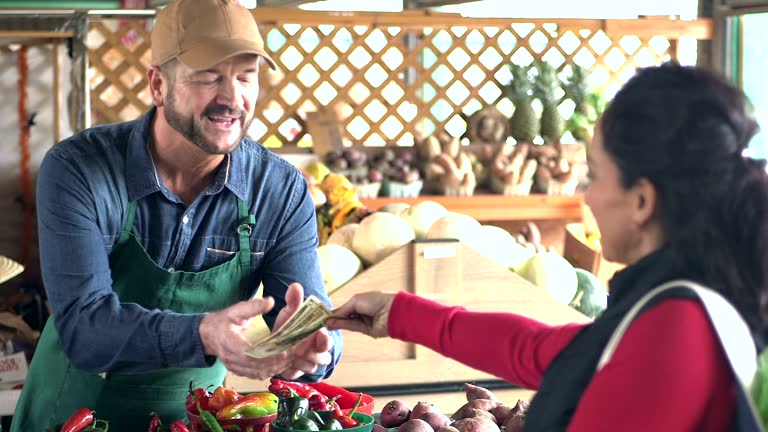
[[498, 207]]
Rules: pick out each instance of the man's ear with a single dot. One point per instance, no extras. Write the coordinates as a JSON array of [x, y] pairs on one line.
[[156, 85], [645, 200]]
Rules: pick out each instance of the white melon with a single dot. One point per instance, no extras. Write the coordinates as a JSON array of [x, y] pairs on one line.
[[343, 235], [455, 226], [396, 208], [498, 244], [422, 215], [338, 265], [553, 273], [379, 235]]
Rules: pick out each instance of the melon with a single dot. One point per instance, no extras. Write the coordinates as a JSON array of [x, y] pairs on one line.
[[553, 273], [455, 226], [338, 265], [379, 235], [422, 215], [591, 297], [343, 235], [498, 244], [396, 208]]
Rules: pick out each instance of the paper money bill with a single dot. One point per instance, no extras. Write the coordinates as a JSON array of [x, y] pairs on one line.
[[309, 318]]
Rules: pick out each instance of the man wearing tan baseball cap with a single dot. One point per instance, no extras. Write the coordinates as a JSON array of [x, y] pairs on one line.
[[177, 218], [201, 33]]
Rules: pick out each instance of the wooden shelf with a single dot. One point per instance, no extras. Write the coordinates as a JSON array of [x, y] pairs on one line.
[[498, 207]]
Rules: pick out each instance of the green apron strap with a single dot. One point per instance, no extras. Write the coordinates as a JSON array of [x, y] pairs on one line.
[[128, 225], [244, 228]]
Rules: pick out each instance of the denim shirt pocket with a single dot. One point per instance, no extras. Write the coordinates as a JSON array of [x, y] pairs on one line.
[[220, 250]]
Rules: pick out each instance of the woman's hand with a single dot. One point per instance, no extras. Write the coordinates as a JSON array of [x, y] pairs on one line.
[[366, 313]]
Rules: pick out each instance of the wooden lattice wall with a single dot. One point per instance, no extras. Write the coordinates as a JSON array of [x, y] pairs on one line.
[[391, 77]]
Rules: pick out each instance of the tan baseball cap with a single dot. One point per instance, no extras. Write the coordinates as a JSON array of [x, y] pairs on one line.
[[202, 33]]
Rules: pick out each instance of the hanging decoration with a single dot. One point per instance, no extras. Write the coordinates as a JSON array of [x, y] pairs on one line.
[[26, 121]]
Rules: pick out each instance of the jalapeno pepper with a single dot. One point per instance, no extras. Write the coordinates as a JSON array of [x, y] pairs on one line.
[[290, 409], [252, 405], [304, 424], [330, 424]]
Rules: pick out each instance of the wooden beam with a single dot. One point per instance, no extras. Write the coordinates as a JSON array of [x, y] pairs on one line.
[[424, 4], [283, 3]]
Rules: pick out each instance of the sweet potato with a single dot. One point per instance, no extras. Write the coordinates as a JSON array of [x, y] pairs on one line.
[[395, 413], [415, 425], [446, 429], [515, 423], [476, 392], [466, 410], [436, 419], [521, 407], [424, 407], [476, 424], [501, 412]]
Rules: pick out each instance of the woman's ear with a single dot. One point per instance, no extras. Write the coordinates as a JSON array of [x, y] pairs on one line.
[[645, 201]]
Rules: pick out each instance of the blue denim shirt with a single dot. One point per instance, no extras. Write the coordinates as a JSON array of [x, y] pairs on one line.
[[84, 186]]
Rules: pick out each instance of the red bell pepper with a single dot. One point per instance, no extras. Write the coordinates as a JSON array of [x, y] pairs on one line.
[[78, 420]]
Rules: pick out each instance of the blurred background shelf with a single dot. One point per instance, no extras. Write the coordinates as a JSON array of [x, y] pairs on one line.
[[487, 208]]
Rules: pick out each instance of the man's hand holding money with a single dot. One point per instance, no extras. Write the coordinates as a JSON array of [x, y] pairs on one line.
[[222, 335], [310, 352]]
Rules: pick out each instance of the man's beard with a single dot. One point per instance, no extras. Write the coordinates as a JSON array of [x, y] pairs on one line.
[[193, 131]]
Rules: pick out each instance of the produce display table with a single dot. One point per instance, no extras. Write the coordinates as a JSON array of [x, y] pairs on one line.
[[499, 207]]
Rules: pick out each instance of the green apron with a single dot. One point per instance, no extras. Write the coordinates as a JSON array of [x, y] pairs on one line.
[[54, 389]]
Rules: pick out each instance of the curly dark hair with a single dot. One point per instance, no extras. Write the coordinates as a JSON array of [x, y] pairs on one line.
[[685, 129]]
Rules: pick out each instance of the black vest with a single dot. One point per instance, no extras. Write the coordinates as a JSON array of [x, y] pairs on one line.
[[571, 371]]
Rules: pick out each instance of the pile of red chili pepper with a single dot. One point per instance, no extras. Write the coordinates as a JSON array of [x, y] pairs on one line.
[[300, 403]]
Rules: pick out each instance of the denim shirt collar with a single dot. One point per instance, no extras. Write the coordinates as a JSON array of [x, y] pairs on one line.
[[142, 178]]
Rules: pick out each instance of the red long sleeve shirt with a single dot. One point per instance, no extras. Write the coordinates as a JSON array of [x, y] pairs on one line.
[[667, 374]]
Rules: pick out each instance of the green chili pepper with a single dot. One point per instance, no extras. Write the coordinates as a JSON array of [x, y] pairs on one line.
[[330, 424], [291, 409], [304, 424], [209, 420]]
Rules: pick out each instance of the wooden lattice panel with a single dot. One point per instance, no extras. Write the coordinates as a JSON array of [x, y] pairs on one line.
[[391, 77], [118, 55]]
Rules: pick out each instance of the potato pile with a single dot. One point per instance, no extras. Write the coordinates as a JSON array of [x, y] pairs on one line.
[[483, 412]]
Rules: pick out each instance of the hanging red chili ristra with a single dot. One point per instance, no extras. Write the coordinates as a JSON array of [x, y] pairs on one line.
[[78, 420]]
